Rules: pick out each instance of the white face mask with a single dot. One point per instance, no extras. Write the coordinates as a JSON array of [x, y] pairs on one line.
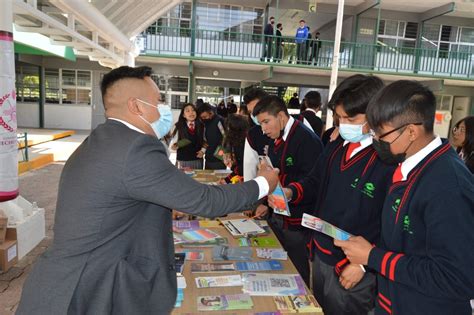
[[353, 133]]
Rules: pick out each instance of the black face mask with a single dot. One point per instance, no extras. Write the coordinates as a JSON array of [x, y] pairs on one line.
[[383, 150], [272, 22]]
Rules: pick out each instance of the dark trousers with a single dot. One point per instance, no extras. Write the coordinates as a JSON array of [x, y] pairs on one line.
[[294, 242], [267, 49], [301, 54], [215, 165], [334, 299]]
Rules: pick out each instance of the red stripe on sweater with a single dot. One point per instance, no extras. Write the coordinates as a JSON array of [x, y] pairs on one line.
[[384, 262], [393, 263], [323, 250]]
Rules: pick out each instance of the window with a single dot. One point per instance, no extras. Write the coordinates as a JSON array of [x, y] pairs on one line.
[[51, 77], [398, 34], [76, 86], [27, 83]]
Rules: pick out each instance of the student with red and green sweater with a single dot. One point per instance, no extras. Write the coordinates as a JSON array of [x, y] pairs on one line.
[[425, 257]]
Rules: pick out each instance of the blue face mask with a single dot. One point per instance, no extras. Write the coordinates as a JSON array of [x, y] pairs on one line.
[[352, 133], [255, 120], [163, 125]]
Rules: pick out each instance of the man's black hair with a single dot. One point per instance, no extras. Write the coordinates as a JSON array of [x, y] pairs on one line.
[[295, 94], [205, 108], [254, 94], [120, 73], [271, 105], [313, 99], [355, 93], [279, 24], [402, 102]]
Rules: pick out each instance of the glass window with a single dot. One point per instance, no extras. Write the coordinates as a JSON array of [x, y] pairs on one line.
[[51, 78], [467, 35], [84, 78], [411, 30], [69, 77], [29, 83]]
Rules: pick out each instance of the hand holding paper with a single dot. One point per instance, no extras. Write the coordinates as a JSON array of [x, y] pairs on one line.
[[357, 249]]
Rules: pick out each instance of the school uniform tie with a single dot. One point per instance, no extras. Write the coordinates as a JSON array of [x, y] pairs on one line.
[[350, 149], [191, 127], [397, 175]]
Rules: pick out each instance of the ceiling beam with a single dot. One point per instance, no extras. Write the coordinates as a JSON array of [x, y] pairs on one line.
[[439, 11]]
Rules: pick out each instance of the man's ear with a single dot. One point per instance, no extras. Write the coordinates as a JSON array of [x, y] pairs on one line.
[[133, 106], [414, 132]]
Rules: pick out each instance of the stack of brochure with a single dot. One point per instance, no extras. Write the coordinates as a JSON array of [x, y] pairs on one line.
[[212, 267], [225, 302], [223, 281], [265, 284], [259, 265], [297, 304], [224, 252]]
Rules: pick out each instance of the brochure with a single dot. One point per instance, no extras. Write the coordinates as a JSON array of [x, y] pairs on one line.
[[259, 265], [281, 202], [242, 227], [212, 267], [211, 243], [272, 253], [224, 252], [225, 302], [200, 235], [183, 142], [223, 281], [324, 227], [265, 284], [259, 241], [297, 304], [186, 225]]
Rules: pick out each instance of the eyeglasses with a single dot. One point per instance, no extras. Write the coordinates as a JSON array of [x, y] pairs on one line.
[[459, 130], [372, 132]]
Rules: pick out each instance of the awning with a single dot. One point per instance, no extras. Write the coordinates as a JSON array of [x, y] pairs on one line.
[[37, 44]]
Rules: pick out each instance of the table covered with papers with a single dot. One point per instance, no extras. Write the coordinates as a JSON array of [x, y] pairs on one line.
[[227, 274]]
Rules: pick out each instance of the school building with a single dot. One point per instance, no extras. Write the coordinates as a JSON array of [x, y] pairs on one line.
[[213, 49]]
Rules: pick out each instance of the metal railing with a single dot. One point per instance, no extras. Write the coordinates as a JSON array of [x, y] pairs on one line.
[[257, 48]]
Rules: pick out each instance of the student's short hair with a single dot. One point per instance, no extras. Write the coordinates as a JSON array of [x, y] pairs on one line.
[[402, 102], [355, 93], [254, 94], [302, 21], [205, 108], [120, 73], [271, 18], [295, 94], [279, 24], [313, 99], [271, 105]]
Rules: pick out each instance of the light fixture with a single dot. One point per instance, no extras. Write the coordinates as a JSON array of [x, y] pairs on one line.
[[215, 73]]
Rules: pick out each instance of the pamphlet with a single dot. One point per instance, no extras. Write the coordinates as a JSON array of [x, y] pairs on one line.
[[259, 241], [259, 265], [265, 284], [223, 281], [324, 227], [212, 267], [200, 235], [183, 142], [186, 225], [210, 243], [272, 253], [280, 200], [224, 252], [297, 304], [225, 302]]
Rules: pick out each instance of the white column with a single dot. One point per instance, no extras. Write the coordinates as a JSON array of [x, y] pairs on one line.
[[8, 142], [335, 59], [130, 59]]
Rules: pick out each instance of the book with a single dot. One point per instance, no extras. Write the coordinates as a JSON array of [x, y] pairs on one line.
[[242, 227], [179, 262], [324, 227], [297, 304], [210, 243], [266, 284], [225, 252], [179, 298], [212, 267], [258, 265], [192, 254], [209, 223], [183, 142], [272, 253], [259, 241], [223, 281], [186, 225], [225, 302]]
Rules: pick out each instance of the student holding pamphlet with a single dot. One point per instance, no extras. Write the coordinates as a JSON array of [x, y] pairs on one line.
[[188, 139], [424, 261], [350, 183], [294, 149]]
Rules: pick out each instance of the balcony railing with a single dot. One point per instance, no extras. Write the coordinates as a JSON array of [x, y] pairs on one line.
[[257, 48]]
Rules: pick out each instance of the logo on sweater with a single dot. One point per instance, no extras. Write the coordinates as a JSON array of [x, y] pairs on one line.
[[289, 161], [396, 204], [406, 225], [354, 183], [369, 189]]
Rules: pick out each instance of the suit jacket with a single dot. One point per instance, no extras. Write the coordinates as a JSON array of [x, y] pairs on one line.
[[113, 248]]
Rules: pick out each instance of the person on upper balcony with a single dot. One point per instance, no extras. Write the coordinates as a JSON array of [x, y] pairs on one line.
[[300, 39]]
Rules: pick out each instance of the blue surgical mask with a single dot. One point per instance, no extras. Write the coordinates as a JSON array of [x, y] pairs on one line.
[[255, 120], [163, 125], [352, 133]]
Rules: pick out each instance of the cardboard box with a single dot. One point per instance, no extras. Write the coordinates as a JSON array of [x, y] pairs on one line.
[[8, 255], [3, 226]]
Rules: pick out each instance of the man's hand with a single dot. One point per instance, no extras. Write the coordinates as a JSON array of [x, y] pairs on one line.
[[356, 249], [271, 175], [199, 154], [174, 146], [350, 276], [288, 193], [261, 211], [248, 213]]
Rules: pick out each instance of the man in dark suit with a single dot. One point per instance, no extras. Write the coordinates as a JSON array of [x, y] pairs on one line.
[[113, 248]]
